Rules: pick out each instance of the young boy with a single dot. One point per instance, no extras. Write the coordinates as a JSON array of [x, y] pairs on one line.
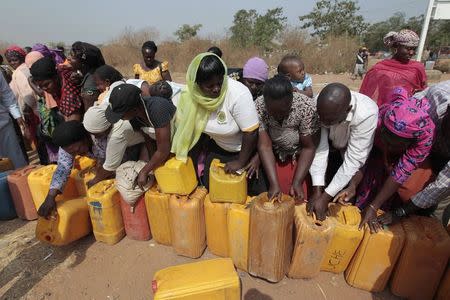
[[293, 67]]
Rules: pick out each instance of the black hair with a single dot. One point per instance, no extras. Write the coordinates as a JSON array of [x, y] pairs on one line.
[[209, 67], [277, 88], [68, 133], [336, 93], [150, 45], [90, 55], [43, 69], [107, 72], [1, 59], [162, 89], [27, 49], [216, 50]]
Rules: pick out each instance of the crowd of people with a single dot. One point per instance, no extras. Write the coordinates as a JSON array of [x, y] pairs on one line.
[[385, 147]]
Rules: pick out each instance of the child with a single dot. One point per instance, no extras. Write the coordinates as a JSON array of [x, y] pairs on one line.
[[293, 67]]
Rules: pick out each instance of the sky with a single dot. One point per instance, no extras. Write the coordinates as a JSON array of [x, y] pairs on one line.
[[98, 21]]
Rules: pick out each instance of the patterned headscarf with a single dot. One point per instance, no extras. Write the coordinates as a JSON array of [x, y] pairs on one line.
[[407, 117], [15, 51], [404, 37]]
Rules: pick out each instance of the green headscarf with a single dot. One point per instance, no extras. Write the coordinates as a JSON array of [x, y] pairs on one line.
[[193, 110]]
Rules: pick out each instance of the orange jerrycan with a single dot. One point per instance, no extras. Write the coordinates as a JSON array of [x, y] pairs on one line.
[[270, 244], [176, 177], [216, 227], [214, 279], [312, 240], [104, 208], [443, 292], [81, 180], [5, 164], [135, 220], [423, 259], [346, 237], [238, 221], [20, 193], [373, 262], [225, 187], [158, 213], [70, 223], [187, 223]]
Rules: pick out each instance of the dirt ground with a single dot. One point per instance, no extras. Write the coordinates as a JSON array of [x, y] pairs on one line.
[[88, 269]]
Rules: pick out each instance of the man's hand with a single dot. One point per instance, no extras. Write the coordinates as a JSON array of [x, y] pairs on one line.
[[319, 206]]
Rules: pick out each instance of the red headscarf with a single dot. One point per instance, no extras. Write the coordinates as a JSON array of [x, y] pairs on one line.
[[15, 51]]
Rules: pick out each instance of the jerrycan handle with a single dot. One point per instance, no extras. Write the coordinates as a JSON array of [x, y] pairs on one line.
[[316, 222], [26, 169], [238, 172], [270, 204]]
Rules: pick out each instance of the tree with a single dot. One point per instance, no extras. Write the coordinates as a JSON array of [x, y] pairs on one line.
[[334, 17], [186, 32], [252, 29]]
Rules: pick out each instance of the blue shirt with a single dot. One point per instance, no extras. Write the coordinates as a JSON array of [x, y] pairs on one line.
[[307, 82]]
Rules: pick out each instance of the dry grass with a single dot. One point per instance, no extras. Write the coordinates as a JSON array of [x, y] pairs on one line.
[[334, 55]]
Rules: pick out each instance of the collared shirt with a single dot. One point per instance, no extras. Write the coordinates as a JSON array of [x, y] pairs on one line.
[[435, 191], [66, 160], [354, 137], [307, 82], [8, 103]]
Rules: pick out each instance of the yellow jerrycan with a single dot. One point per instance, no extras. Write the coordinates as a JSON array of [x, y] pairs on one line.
[[81, 180], [238, 221], [225, 187], [214, 279], [346, 237], [270, 244], [216, 227], [373, 262], [312, 238], [187, 223], [104, 208], [423, 260], [70, 223], [158, 213], [176, 177], [83, 162]]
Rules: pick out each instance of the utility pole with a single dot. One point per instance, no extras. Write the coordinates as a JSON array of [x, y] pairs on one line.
[[423, 35]]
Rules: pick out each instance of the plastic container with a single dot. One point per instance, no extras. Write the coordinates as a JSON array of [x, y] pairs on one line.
[[70, 223], [176, 177], [270, 243], [373, 262], [346, 238], [158, 213], [312, 240], [5, 164], [187, 223], [135, 220], [83, 162], [7, 211], [423, 260], [443, 292], [238, 221], [81, 180], [216, 227], [106, 216], [20, 193], [214, 279], [225, 187]]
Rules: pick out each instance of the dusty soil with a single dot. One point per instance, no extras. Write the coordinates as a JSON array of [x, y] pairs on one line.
[[90, 270]]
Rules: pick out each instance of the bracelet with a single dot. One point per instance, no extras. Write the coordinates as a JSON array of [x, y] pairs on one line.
[[373, 208], [400, 212]]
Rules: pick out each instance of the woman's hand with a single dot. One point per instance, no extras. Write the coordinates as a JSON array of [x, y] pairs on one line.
[[253, 167], [233, 166], [273, 191], [388, 218], [48, 206], [296, 191], [369, 217], [144, 179], [346, 195]]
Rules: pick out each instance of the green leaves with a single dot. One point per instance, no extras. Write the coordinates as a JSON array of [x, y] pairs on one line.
[[186, 32]]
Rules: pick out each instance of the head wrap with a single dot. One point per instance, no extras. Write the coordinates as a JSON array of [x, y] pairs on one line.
[[15, 51], [68, 133], [407, 117], [256, 68], [94, 119], [194, 109], [32, 57], [56, 54], [404, 37], [43, 69], [88, 54]]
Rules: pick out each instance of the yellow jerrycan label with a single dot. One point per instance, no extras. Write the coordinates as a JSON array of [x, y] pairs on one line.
[[312, 240], [225, 187], [373, 262], [81, 180], [158, 213], [214, 279], [176, 177], [270, 244], [423, 260], [238, 221], [216, 227], [104, 208], [346, 237], [187, 223], [70, 223]]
